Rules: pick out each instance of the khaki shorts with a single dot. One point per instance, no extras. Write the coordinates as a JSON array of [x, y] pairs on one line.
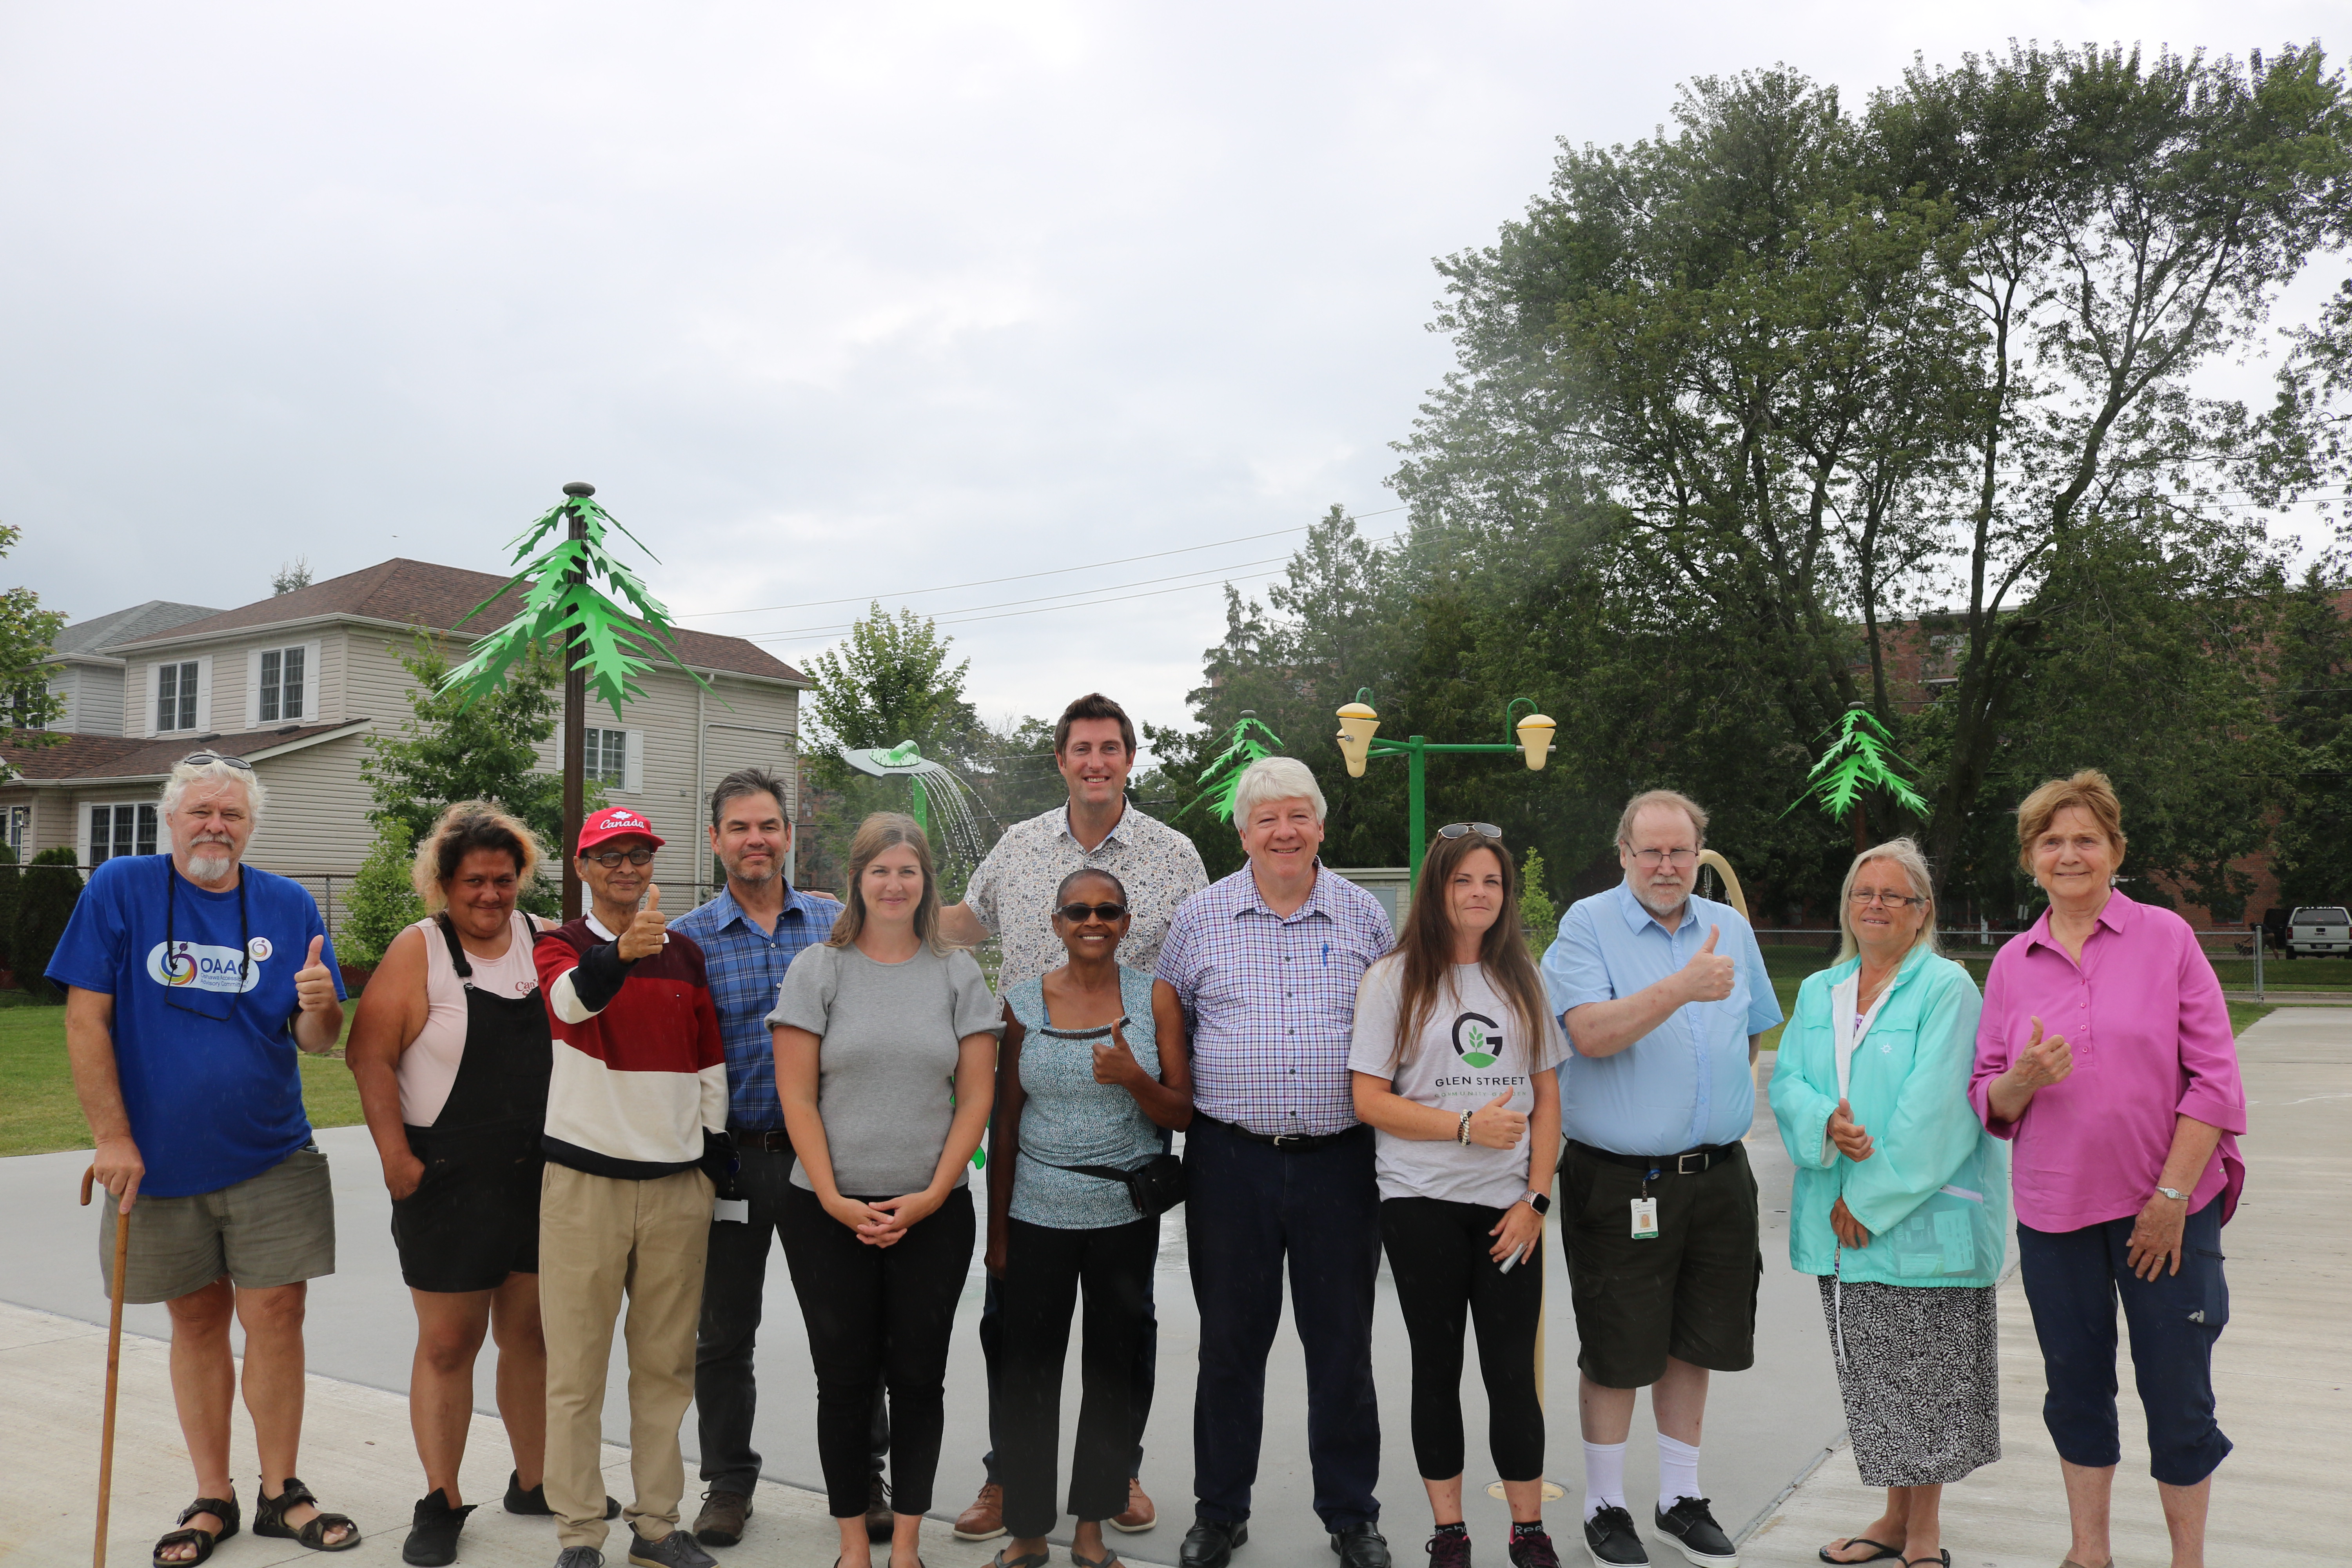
[[276, 1229]]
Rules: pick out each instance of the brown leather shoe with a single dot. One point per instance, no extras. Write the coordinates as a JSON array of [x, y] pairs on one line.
[[879, 1520], [984, 1520], [721, 1523], [1142, 1513]]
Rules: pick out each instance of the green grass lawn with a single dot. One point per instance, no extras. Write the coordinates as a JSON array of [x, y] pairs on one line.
[[38, 1110]]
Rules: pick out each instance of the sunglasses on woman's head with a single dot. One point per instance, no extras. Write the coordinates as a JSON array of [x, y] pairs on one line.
[[1076, 913], [1463, 829]]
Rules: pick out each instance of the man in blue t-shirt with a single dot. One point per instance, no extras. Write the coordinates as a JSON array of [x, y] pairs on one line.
[[190, 980]]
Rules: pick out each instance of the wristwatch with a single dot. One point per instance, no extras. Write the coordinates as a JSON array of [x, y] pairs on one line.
[[1462, 1133], [1537, 1201], [2177, 1197]]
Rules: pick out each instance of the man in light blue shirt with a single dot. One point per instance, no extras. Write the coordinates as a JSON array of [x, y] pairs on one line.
[[1663, 995]]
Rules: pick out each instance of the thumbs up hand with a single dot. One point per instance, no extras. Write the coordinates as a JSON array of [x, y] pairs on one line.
[[1708, 977], [1494, 1125], [2042, 1062], [648, 930], [314, 986], [1851, 1138]]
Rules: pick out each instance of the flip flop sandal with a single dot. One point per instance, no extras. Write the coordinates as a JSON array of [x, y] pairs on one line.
[[221, 1508], [1034, 1559], [269, 1518], [1941, 1560], [1852, 1540], [1107, 1559]]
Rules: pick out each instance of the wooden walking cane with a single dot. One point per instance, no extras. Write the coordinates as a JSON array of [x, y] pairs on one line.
[[113, 1371]]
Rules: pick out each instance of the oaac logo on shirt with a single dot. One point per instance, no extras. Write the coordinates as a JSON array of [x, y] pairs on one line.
[[199, 966]]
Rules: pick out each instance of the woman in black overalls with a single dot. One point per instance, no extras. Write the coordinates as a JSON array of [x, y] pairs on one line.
[[451, 1051]]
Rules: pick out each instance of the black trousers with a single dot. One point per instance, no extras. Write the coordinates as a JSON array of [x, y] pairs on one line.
[[1438, 1256], [734, 1289], [1043, 1270], [885, 1312], [1142, 1381], [1253, 1209]]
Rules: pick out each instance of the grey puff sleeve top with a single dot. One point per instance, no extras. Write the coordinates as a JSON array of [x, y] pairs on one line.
[[889, 1036]]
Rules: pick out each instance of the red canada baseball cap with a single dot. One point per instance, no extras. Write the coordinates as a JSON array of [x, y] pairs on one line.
[[615, 822]]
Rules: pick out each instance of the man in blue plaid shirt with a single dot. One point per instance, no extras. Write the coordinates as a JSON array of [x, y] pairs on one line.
[[750, 934]]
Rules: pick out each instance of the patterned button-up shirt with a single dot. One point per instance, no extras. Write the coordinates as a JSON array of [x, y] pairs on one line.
[[1272, 1000], [1013, 891], [746, 965]]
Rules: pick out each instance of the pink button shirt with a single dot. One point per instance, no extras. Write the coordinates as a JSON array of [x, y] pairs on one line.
[[2151, 1040]]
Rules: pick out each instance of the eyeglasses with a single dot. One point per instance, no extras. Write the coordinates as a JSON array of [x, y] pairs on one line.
[[206, 759], [1463, 829], [1655, 858], [1076, 913], [1862, 900], [610, 858]]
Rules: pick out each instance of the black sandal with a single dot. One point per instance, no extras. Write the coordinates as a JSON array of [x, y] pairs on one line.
[[221, 1508], [1879, 1549], [269, 1518]]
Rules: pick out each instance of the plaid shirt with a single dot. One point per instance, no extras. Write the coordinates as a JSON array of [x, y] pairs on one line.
[[746, 965], [1272, 1000]]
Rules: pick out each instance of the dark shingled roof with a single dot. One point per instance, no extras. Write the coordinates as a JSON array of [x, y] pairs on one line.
[[419, 594], [87, 756], [152, 619]]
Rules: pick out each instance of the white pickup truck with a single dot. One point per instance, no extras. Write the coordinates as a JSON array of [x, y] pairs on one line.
[[2319, 930]]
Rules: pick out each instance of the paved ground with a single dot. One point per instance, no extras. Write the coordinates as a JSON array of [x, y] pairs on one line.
[[1775, 1462]]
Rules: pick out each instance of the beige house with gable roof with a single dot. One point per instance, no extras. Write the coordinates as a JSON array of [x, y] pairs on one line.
[[295, 683]]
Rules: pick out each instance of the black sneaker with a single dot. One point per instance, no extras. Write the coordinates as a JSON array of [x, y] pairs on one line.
[[532, 1503], [1613, 1541], [1694, 1530], [433, 1532], [1449, 1549], [1532, 1549]]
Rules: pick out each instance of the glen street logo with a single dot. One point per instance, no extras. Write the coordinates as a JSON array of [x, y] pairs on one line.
[[1478, 1039], [194, 965]]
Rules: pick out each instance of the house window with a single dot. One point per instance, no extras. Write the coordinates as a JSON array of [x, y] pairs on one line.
[[122, 830], [175, 696], [19, 827], [282, 685], [608, 756]]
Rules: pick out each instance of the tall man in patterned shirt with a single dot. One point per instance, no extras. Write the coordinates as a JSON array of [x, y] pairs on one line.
[[1011, 896], [1265, 964], [749, 933]]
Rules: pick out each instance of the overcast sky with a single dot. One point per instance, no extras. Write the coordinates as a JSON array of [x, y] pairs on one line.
[[829, 301]]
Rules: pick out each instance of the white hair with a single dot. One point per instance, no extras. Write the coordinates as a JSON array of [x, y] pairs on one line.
[[1905, 853], [1276, 778], [216, 772]]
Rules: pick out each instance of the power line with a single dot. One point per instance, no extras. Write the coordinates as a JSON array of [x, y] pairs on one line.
[[1024, 576]]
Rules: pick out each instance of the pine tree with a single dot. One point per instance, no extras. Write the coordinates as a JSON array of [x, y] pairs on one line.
[[51, 887], [382, 901]]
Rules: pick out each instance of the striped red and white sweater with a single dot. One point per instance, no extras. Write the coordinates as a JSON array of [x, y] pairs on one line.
[[640, 1069]]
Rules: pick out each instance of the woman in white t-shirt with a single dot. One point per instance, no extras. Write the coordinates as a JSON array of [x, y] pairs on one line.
[[1454, 1062]]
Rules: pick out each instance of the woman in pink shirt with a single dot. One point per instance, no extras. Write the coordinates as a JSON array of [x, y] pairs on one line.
[[2104, 1053]]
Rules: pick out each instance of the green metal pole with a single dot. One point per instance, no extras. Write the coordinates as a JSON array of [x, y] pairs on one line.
[[1417, 794]]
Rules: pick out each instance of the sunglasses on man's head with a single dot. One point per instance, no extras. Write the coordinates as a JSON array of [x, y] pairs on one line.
[[206, 759], [610, 858], [1463, 829], [1076, 913]]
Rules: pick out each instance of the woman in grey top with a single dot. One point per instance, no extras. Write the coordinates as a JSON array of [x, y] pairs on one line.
[[1075, 1091], [886, 1048]]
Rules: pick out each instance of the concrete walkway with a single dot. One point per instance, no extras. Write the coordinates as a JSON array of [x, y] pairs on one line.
[[1775, 1458]]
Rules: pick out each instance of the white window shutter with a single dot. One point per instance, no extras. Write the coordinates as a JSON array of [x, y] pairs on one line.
[[632, 761], [310, 707], [146, 726], [204, 694], [253, 689]]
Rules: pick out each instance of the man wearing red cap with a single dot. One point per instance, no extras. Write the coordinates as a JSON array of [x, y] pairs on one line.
[[636, 1109]]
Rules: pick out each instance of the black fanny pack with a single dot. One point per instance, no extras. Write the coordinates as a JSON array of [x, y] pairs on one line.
[[1154, 1187]]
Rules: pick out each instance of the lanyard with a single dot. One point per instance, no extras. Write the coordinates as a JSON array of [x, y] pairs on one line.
[[172, 916]]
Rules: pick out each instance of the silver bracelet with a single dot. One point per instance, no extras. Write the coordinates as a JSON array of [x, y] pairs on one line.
[[1462, 1133]]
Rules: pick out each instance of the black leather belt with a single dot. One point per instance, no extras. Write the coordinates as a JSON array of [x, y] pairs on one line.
[[774, 1140], [1689, 1162], [1288, 1143]]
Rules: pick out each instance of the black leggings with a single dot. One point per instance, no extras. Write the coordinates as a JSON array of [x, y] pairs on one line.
[[883, 1314], [1438, 1256], [1043, 1267]]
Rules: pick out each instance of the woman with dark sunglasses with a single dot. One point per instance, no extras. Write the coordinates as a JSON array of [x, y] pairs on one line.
[[1455, 1062], [1077, 1101]]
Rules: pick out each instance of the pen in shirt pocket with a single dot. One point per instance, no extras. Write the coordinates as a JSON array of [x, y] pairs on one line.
[[1327, 955]]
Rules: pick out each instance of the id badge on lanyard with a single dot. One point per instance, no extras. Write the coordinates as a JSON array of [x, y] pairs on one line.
[[1645, 1211]]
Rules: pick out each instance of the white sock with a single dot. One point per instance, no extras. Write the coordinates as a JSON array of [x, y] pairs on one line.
[[1604, 1477], [1677, 1471]]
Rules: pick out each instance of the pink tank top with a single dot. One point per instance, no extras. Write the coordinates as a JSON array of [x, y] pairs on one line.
[[428, 1067]]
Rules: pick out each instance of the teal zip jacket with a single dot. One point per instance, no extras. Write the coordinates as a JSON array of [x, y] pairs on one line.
[[1934, 1194]]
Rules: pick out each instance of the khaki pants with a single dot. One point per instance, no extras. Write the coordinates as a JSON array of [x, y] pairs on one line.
[[599, 1236]]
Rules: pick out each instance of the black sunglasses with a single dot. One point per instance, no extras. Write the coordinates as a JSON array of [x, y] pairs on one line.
[[1463, 829], [1076, 913], [206, 759]]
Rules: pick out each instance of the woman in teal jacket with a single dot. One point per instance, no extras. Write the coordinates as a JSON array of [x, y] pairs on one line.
[[1900, 1200]]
